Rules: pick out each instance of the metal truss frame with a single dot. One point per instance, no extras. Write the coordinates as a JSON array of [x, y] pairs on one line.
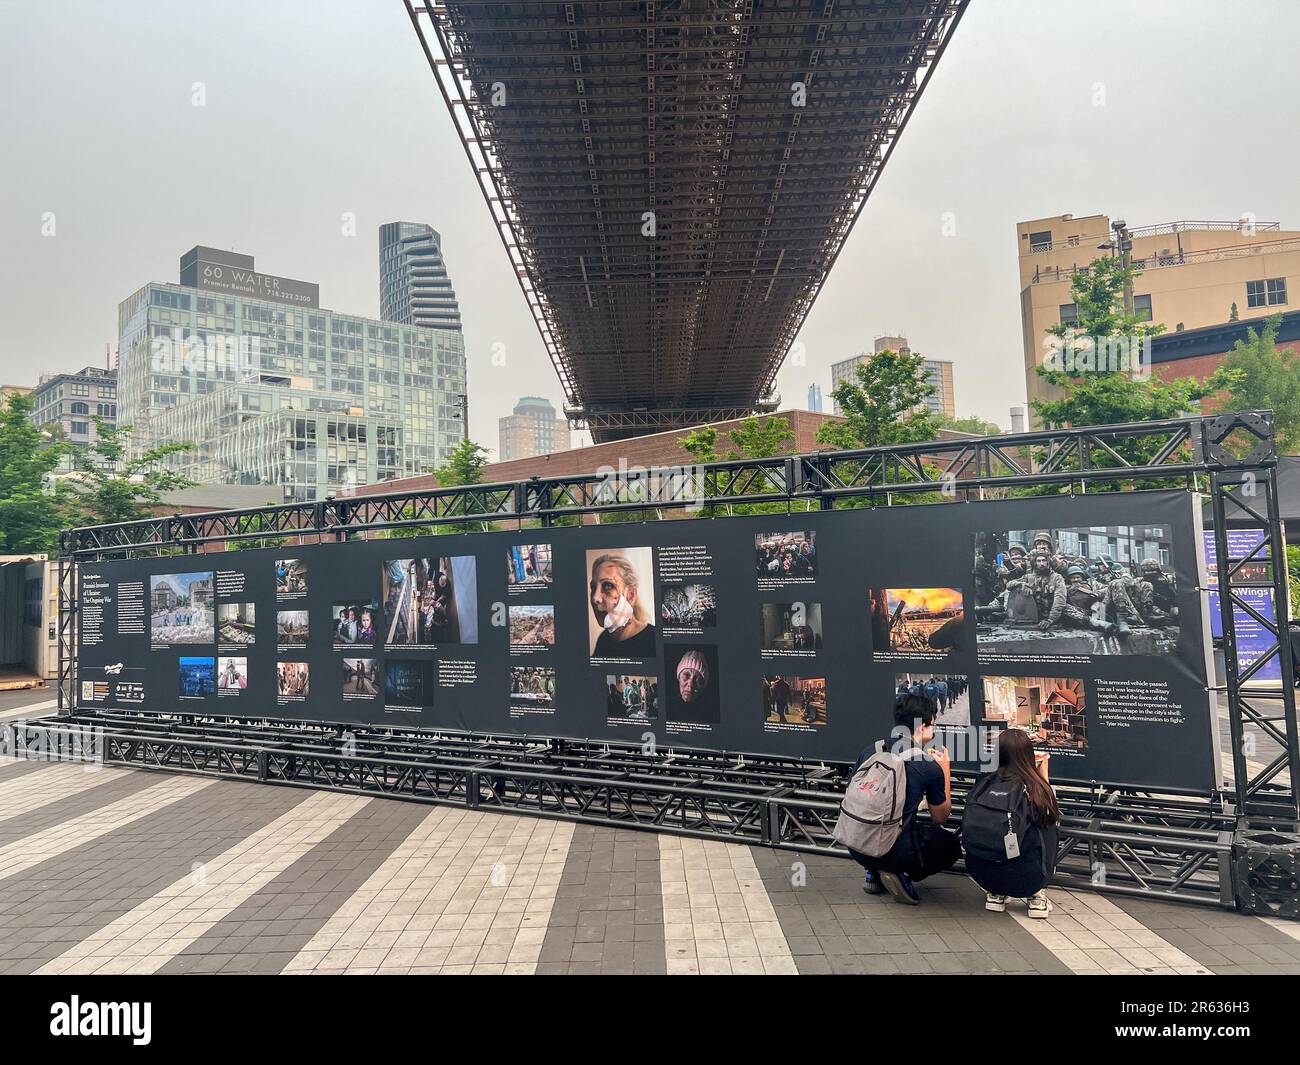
[[746, 134], [1115, 838]]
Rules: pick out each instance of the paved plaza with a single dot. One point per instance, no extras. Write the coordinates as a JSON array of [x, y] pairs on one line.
[[106, 870]]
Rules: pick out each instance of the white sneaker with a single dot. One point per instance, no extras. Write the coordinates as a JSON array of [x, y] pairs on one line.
[[996, 903], [1039, 905]]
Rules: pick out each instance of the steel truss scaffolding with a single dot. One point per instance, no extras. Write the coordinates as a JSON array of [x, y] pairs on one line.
[[673, 180], [1235, 846]]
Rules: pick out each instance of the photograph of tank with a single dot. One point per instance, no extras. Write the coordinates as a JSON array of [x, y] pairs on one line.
[[291, 627], [630, 699], [290, 576], [528, 564], [408, 683], [923, 621], [781, 557], [621, 595], [1053, 710], [533, 687], [1079, 591], [181, 608], [689, 607], [237, 623], [790, 627], [692, 672], [360, 676], [532, 626], [794, 700], [232, 674], [292, 680], [354, 623], [950, 694], [198, 676], [430, 601]]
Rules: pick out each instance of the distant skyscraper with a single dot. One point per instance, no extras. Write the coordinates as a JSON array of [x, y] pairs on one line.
[[815, 398], [414, 288], [533, 429]]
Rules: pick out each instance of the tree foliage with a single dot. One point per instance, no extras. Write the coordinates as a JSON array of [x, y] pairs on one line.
[[1263, 376], [884, 404], [111, 486], [30, 516]]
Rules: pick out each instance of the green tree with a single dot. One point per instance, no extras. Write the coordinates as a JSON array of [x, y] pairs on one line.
[[462, 467], [113, 487], [1108, 394], [1263, 376], [884, 404], [753, 438], [29, 512], [970, 423], [1096, 389]]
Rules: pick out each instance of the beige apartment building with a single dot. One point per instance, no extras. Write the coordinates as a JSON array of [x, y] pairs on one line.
[[937, 371], [1193, 274], [533, 428]]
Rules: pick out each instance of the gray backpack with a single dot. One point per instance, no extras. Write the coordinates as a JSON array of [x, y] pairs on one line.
[[871, 813]]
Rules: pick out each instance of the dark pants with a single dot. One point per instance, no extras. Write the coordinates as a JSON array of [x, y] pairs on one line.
[[925, 850], [1016, 880]]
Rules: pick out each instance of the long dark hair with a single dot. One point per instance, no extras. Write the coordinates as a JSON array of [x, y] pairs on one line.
[[1016, 762]]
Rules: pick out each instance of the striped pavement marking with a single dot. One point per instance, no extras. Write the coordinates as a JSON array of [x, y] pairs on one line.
[[59, 780], [151, 934], [1090, 934], [466, 891], [30, 710], [718, 918], [24, 854]]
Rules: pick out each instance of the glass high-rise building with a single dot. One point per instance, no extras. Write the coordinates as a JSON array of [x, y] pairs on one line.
[[274, 390], [414, 287]]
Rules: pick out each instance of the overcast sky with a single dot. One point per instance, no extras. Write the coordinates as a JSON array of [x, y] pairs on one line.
[[314, 110]]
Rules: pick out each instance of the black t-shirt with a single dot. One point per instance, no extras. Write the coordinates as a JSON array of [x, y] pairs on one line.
[[924, 779], [642, 645]]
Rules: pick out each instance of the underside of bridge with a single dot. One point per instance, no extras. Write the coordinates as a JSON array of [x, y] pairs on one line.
[[673, 180]]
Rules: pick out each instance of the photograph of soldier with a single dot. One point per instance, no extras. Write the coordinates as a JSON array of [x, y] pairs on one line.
[[790, 627], [631, 698], [693, 684], [290, 576], [689, 607], [917, 620], [354, 624], [291, 628], [791, 700], [181, 608], [528, 564], [1063, 591], [237, 623], [532, 626], [785, 556], [232, 674], [1053, 710], [533, 686], [950, 694], [620, 592], [360, 676], [429, 601]]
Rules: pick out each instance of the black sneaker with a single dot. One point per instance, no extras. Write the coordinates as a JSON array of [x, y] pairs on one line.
[[872, 885], [901, 887]]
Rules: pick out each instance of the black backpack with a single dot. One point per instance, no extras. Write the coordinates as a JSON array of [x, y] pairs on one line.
[[998, 807]]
